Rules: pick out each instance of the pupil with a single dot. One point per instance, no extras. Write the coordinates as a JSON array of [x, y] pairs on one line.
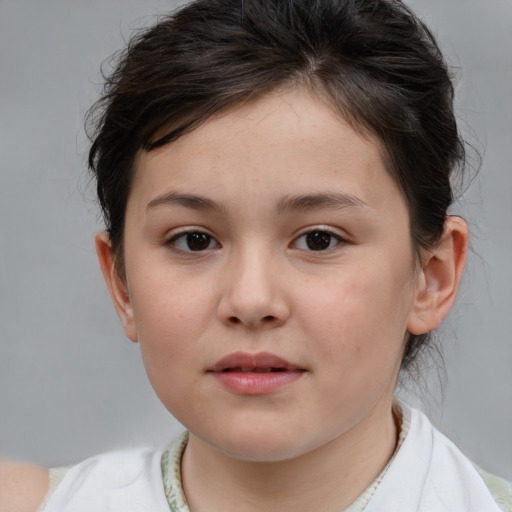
[[318, 240], [198, 241]]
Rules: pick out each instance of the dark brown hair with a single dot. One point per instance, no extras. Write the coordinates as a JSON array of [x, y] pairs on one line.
[[373, 60]]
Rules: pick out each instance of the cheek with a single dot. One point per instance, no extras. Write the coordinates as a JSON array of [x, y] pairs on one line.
[[165, 304], [170, 317], [359, 318], [170, 325]]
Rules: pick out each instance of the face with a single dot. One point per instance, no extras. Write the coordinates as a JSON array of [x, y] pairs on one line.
[[270, 278]]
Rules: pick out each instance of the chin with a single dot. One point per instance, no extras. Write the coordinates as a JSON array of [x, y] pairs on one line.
[[260, 444]]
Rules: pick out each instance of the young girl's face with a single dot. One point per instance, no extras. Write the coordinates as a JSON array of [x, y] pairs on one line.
[[270, 278]]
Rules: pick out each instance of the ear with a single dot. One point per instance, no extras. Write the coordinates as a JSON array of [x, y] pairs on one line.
[[439, 277], [116, 284]]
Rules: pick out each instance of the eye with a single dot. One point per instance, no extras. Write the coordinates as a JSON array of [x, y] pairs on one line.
[[317, 240], [192, 241]]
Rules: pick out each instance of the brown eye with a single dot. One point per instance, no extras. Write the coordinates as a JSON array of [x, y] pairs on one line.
[[318, 240], [194, 241], [198, 241]]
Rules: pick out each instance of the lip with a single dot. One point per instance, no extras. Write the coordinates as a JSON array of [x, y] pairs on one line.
[[254, 374]]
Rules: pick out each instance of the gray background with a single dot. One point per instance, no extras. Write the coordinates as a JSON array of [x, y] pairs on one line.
[[70, 384]]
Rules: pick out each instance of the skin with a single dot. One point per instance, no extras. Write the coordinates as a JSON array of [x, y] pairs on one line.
[[22, 486], [340, 314]]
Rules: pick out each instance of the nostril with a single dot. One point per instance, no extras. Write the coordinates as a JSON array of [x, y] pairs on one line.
[[265, 320]]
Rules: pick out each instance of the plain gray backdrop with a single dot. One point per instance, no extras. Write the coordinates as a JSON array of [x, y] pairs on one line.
[[71, 385]]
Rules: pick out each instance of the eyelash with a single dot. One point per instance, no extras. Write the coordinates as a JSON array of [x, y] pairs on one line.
[[327, 236], [202, 238], [184, 236]]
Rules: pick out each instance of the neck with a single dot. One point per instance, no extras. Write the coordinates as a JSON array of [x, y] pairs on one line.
[[330, 478]]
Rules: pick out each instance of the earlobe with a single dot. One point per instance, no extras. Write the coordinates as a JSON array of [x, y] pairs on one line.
[[439, 278], [116, 284]]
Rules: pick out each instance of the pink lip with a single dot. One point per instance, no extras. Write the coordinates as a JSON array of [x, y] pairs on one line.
[[254, 374]]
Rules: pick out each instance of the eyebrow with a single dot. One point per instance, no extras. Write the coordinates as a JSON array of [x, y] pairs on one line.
[[307, 202], [191, 201], [297, 203]]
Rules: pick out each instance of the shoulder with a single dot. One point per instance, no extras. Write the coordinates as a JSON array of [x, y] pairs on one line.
[[449, 480], [127, 480], [500, 489], [22, 486]]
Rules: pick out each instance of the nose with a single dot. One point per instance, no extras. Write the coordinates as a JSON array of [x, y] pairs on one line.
[[253, 294]]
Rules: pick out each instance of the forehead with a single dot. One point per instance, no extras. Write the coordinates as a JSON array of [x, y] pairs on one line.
[[288, 139]]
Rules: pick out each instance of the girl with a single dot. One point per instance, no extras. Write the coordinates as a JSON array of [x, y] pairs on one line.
[[275, 179]]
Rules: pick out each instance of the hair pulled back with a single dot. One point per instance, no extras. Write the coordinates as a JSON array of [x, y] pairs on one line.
[[373, 60]]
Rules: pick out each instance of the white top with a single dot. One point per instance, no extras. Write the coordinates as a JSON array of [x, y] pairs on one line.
[[427, 473], [430, 474], [124, 481]]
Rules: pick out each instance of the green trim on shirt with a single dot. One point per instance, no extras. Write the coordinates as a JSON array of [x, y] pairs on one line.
[[500, 489]]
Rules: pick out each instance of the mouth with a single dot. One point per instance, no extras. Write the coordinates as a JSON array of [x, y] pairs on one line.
[[261, 362], [253, 369], [255, 374]]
